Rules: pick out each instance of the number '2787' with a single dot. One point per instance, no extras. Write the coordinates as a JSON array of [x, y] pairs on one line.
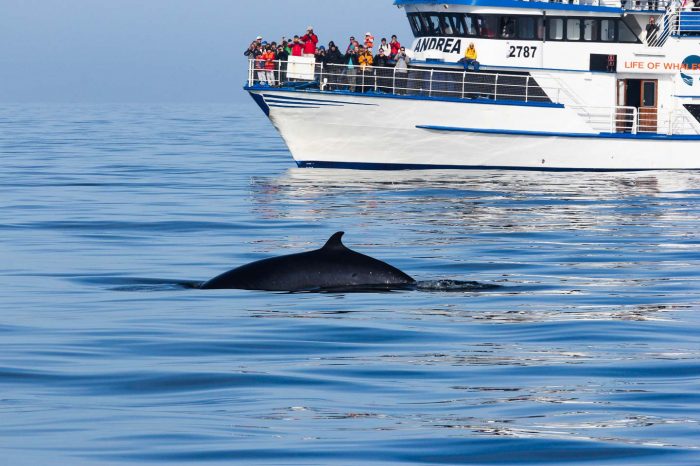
[[522, 51]]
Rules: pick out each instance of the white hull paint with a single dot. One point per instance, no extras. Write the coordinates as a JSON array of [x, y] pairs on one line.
[[371, 131]]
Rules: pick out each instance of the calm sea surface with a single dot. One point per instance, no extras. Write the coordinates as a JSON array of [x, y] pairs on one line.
[[589, 354]]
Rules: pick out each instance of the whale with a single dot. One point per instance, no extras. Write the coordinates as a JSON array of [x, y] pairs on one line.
[[334, 267]]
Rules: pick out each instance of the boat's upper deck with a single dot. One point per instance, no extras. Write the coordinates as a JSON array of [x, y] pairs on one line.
[[603, 6]]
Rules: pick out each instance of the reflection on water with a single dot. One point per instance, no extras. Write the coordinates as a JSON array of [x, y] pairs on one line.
[[587, 353]]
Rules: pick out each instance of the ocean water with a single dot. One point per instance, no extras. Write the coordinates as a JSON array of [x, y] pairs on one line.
[[589, 353]]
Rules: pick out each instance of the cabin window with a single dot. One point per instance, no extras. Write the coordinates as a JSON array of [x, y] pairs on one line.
[[471, 25], [529, 27], [590, 29], [555, 29], [433, 24], [457, 25], [573, 29], [507, 27], [625, 33], [415, 25], [488, 25], [607, 30]]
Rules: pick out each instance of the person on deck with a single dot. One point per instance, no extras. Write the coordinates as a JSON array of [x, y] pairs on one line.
[[366, 60], [652, 30], [310, 40], [470, 58], [334, 62], [352, 61], [395, 46], [401, 71], [369, 41], [382, 71], [297, 47], [385, 47], [268, 57]]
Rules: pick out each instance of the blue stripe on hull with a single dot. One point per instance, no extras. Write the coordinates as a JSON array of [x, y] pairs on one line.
[[412, 166]]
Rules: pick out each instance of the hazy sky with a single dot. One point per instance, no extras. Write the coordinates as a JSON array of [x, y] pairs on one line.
[[159, 50]]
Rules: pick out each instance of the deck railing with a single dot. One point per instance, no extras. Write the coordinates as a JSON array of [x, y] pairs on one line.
[[411, 81], [632, 120], [646, 5]]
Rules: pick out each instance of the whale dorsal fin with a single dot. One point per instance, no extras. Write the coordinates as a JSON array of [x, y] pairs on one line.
[[335, 242]]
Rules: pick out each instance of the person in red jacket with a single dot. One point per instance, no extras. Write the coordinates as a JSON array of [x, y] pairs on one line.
[[310, 40], [297, 47], [395, 46]]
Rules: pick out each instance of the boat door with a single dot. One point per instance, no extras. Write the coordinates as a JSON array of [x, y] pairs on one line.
[[641, 94], [648, 111]]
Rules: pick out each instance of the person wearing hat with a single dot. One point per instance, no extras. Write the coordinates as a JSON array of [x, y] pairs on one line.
[[310, 40], [369, 41]]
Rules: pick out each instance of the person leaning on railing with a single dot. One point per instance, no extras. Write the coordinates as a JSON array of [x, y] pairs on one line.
[[401, 71], [352, 62], [366, 61], [334, 66], [382, 71], [282, 58]]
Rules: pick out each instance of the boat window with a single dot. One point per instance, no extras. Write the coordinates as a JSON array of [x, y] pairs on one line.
[[590, 29], [432, 23], [625, 34], [457, 24], [607, 30], [470, 22], [529, 28], [507, 27], [555, 28], [649, 94], [573, 29], [415, 25], [487, 25]]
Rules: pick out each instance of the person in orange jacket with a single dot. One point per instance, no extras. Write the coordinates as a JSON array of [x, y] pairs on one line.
[[310, 40], [269, 58], [369, 41]]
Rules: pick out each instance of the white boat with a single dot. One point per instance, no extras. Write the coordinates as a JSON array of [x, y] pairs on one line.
[[562, 86]]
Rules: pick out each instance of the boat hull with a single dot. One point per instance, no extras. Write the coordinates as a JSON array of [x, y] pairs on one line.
[[375, 131]]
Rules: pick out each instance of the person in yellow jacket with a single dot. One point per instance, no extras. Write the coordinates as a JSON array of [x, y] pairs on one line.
[[366, 58], [366, 61], [470, 58]]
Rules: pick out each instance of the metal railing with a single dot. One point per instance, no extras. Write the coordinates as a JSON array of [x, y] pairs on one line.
[[411, 81], [617, 119], [678, 24], [626, 4], [632, 120]]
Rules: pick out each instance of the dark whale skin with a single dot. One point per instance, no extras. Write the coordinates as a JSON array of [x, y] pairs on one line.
[[333, 267]]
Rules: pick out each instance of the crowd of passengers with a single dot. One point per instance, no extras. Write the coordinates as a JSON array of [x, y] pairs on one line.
[[358, 67]]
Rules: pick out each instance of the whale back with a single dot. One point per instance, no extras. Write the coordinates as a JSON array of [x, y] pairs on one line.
[[333, 267]]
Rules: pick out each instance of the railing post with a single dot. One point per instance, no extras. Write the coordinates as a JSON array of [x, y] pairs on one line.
[[430, 88], [464, 83], [527, 89], [251, 73], [279, 73], [495, 89], [393, 86]]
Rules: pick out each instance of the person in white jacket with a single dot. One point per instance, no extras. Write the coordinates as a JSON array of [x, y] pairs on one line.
[[386, 47]]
